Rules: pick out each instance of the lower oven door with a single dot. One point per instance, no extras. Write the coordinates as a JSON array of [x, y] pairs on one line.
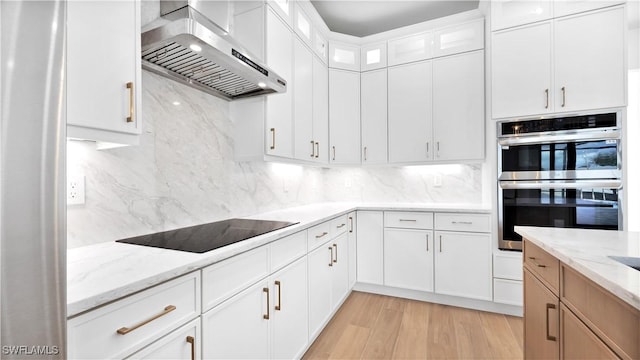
[[588, 204]]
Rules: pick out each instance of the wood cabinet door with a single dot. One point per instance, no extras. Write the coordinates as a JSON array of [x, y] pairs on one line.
[[289, 307], [578, 342], [374, 116], [589, 60], [320, 262], [304, 148], [541, 320], [344, 117], [458, 107], [410, 113], [521, 71], [408, 259], [279, 107]]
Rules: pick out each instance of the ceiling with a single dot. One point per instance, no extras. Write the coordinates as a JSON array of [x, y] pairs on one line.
[[366, 17]]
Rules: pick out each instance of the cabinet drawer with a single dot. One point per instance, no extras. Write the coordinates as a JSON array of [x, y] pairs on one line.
[[287, 249], [578, 342], [177, 345], [615, 322], [339, 226], [507, 292], [318, 235], [507, 266], [408, 220], [543, 264], [226, 278], [143, 318], [463, 222]]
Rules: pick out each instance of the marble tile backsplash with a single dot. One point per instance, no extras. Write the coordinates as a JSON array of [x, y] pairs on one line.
[[183, 173]]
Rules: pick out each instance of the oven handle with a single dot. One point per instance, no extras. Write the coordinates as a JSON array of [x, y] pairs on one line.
[[564, 184], [553, 138]]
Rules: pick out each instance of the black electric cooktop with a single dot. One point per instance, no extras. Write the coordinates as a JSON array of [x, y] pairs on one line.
[[206, 237]]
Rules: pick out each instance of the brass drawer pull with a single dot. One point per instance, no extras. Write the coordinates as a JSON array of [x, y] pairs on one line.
[[192, 341], [550, 307], [336, 247], [334, 152], [331, 258], [125, 330], [546, 94], [341, 226], [427, 242], [131, 101], [533, 260], [313, 150], [350, 224], [408, 220], [321, 235], [462, 222], [564, 93], [273, 138], [266, 316], [317, 149], [279, 285]]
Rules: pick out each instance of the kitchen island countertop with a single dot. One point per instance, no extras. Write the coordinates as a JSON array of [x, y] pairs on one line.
[[588, 251], [101, 273]]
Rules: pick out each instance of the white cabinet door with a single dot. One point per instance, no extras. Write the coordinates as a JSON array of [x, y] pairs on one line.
[[508, 13], [463, 264], [320, 262], [183, 343], [458, 106], [344, 56], [289, 311], [239, 327], [279, 56], [370, 247], [411, 48], [320, 46], [303, 26], [103, 70], [521, 71], [568, 7], [284, 9], [589, 64], [373, 56], [344, 117], [410, 117], [320, 111], [374, 116], [303, 105], [340, 270], [408, 259], [459, 38], [352, 238]]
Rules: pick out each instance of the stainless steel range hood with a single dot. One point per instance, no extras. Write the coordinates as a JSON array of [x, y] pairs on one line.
[[188, 47]]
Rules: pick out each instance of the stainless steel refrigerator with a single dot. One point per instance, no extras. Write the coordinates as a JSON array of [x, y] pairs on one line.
[[32, 180]]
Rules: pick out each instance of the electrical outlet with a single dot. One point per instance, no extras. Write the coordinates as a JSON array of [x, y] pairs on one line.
[[75, 190], [437, 180]]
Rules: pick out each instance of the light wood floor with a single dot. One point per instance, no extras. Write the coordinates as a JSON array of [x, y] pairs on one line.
[[370, 326]]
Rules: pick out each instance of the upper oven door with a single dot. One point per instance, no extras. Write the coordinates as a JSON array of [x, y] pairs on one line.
[[547, 160]]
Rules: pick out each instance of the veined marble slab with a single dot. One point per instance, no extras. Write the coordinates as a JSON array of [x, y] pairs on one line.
[[100, 273], [588, 251]]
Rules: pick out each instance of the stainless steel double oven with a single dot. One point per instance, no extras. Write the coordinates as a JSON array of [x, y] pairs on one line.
[[560, 172]]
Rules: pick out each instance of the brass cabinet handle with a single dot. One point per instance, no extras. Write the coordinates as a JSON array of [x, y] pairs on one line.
[[463, 222], [266, 316], [365, 153], [440, 243], [437, 148], [125, 330], [313, 149], [341, 226], [131, 101], [546, 94], [563, 96], [334, 152], [336, 247], [192, 341], [321, 235], [550, 307], [407, 220], [279, 285], [427, 242], [533, 260], [317, 149], [273, 138], [350, 224], [427, 149], [331, 259]]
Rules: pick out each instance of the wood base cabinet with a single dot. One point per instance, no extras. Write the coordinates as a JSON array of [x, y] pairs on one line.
[[578, 342], [541, 340]]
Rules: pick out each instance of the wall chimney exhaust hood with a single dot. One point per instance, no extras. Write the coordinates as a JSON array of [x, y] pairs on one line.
[[185, 46]]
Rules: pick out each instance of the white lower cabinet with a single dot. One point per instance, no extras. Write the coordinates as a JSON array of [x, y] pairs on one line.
[[463, 264], [352, 238], [507, 278], [339, 271], [408, 259], [370, 247], [183, 343]]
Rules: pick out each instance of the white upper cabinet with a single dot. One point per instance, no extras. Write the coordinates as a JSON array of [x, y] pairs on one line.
[[458, 107], [344, 117], [373, 56], [589, 60], [320, 111], [568, 7], [320, 46], [410, 115], [374, 116], [344, 56], [303, 26], [284, 8], [103, 71], [410, 48], [303, 105], [521, 71], [279, 107], [509, 13], [459, 38]]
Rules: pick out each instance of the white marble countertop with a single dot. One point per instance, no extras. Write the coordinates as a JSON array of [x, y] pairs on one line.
[[98, 274], [588, 251]]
